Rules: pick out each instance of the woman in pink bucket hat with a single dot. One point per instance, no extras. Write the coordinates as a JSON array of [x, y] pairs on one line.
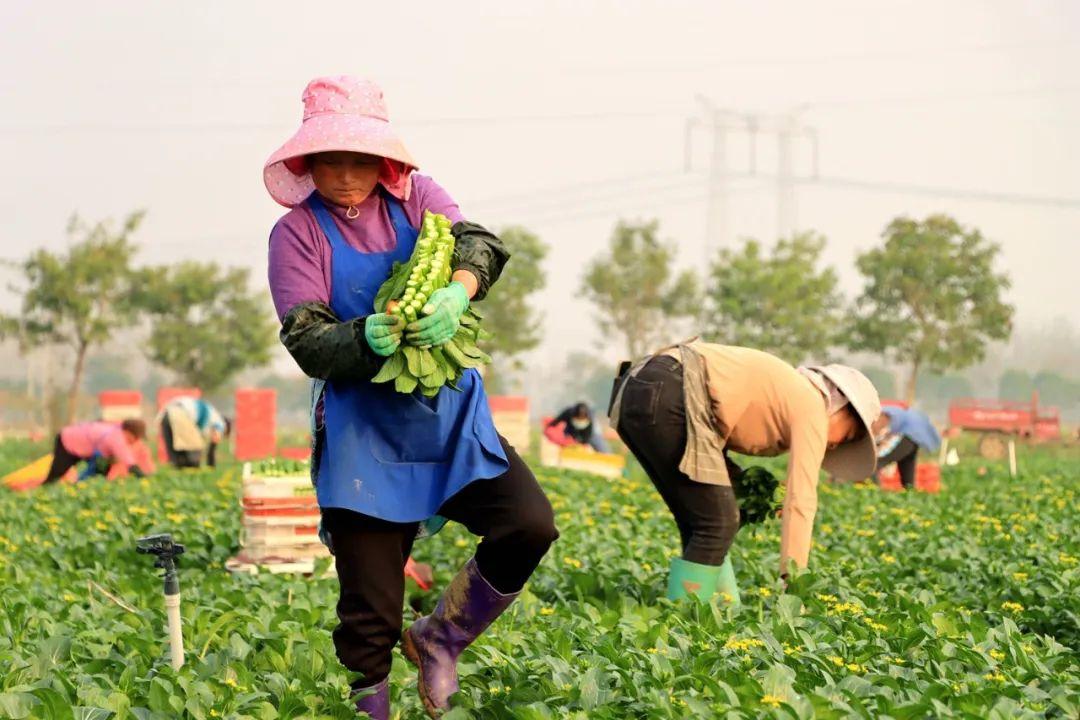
[[388, 466]]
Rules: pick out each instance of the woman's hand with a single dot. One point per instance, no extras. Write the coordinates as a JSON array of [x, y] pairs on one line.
[[383, 333], [442, 316]]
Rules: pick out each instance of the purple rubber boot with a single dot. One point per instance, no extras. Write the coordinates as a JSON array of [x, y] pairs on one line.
[[433, 643], [377, 703]]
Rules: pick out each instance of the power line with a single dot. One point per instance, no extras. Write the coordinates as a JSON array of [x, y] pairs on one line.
[[936, 191]]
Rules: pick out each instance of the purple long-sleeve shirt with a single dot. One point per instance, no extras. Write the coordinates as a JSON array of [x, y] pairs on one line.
[[299, 267]]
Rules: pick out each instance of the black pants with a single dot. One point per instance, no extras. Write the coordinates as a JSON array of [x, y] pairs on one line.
[[652, 423], [905, 455], [62, 461], [180, 458], [511, 514]]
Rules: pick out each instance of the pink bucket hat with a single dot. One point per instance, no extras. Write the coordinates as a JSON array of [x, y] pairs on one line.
[[340, 113]]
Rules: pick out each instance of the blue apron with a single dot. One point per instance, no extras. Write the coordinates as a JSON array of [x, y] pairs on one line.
[[386, 454]]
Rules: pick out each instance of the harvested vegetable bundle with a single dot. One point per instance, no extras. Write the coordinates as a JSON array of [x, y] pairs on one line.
[[405, 294], [755, 490]]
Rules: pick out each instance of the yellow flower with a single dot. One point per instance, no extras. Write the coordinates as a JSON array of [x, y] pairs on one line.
[[547, 611], [646, 567], [888, 559], [101, 526], [898, 660], [653, 651], [138, 510], [772, 701], [572, 562], [855, 667], [68, 597], [230, 682], [744, 645], [997, 654], [836, 660], [764, 592], [176, 517], [1013, 607], [1020, 576], [461, 542], [727, 597], [995, 677]]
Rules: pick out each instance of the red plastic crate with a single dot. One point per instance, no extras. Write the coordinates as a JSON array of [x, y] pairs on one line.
[[256, 423], [508, 403], [119, 397]]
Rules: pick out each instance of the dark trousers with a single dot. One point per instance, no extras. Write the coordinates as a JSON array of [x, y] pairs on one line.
[[510, 513], [905, 455], [180, 458], [652, 423], [62, 461]]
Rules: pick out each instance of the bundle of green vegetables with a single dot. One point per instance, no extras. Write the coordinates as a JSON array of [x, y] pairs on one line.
[[405, 294], [755, 490]]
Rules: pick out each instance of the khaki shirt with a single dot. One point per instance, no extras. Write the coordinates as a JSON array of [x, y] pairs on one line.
[[761, 406]]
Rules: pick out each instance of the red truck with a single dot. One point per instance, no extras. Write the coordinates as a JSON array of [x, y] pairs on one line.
[[996, 419]]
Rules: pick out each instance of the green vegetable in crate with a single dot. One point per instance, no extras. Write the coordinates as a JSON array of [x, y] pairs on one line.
[[755, 490], [440, 339]]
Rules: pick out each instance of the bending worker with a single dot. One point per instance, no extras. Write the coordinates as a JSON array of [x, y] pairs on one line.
[[385, 462], [681, 410], [901, 434], [111, 442], [576, 423], [190, 425]]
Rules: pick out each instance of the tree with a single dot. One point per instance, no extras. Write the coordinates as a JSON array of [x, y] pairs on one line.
[[1056, 389], [1015, 385], [515, 325], [882, 379], [633, 287], [78, 298], [932, 298], [206, 325], [781, 302]]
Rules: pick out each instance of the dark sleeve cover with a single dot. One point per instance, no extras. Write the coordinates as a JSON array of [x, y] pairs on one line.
[[326, 348], [480, 252]]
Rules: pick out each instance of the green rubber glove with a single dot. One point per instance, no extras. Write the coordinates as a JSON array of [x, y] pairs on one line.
[[383, 333], [442, 316]]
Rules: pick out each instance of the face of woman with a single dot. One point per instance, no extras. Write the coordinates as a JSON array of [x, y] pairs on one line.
[[844, 427], [345, 178]]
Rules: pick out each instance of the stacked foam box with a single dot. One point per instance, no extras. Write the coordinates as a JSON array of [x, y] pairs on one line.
[[119, 405], [511, 416], [280, 523], [165, 395], [256, 423]]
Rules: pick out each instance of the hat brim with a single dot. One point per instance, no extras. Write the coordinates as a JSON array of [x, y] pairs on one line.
[[328, 133], [854, 460]]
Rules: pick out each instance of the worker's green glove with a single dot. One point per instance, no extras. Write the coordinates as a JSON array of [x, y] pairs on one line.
[[383, 333], [442, 316]]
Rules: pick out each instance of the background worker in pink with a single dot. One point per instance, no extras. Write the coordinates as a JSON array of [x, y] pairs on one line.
[[110, 441]]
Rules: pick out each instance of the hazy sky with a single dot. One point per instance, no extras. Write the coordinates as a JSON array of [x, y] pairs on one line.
[[561, 116]]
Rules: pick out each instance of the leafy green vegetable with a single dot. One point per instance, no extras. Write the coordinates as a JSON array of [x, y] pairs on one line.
[[405, 292]]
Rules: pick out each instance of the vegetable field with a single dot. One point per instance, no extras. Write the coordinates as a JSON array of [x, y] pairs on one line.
[[962, 604]]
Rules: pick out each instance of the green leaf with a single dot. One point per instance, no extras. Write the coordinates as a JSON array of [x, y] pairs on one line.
[[406, 382], [427, 363], [392, 367], [412, 358]]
